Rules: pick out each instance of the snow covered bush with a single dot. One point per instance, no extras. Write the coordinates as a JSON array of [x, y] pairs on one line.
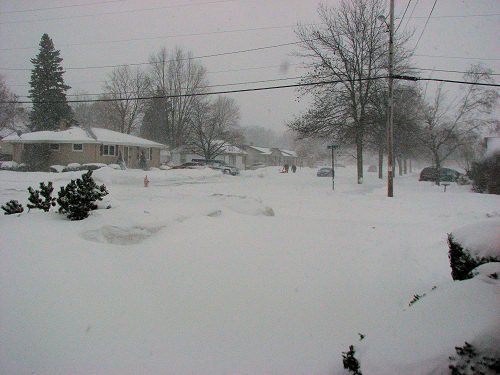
[[37, 202], [350, 362], [79, 197], [471, 246], [12, 207], [468, 361]]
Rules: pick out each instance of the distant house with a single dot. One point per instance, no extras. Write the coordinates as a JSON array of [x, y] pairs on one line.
[[257, 155], [231, 155], [270, 156], [88, 145]]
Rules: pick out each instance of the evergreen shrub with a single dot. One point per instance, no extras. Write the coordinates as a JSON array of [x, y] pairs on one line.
[[350, 362], [79, 197], [12, 207], [461, 260], [37, 202], [469, 361]]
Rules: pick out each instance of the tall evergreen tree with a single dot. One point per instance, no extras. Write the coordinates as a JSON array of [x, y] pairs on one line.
[[48, 90]]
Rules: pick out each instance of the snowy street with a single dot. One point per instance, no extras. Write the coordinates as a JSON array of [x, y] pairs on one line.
[[205, 273]]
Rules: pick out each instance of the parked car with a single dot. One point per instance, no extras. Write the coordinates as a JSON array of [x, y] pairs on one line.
[[257, 166], [325, 172], [230, 169], [188, 165], [445, 174]]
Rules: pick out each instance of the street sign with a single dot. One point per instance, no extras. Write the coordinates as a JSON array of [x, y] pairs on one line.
[[331, 147]]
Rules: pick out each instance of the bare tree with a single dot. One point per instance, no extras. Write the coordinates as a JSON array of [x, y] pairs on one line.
[[125, 86], [348, 48], [10, 109], [178, 78], [214, 126], [408, 105], [451, 124]]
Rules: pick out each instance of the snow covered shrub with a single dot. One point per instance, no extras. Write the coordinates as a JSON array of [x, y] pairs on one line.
[[473, 245], [350, 362], [37, 202], [79, 197], [12, 207], [469, 362]]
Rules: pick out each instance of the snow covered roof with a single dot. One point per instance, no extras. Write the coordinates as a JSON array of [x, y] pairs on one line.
[[289, 153], [80, 135], [229, 149], [262, 150]]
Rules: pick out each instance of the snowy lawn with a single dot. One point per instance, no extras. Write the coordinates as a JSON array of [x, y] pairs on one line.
[[262, 273]]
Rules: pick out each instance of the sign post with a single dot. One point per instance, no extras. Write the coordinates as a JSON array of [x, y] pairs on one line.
[[333, 147]]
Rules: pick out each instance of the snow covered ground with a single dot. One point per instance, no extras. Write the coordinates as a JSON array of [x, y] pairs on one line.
[[262, 273]]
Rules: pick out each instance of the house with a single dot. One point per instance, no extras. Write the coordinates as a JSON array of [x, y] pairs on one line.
[[257, 155], [283, 157], [231, 155], [88, 145], [270, 156]]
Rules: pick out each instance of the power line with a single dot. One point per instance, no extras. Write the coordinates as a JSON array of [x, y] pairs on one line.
[[460, 16], [425, 26], [449, 71], [411, 14], [116, 12], [187, 58], [410, 78], [245, 51], [404, 13], [62, 7], [201, 87], [157, 37], [458, 57], [302, 84]]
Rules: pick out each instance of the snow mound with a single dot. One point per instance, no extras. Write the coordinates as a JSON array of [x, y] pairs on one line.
[[419, 341], [481, 239], [488, 272], [244, 205], [121, 235]]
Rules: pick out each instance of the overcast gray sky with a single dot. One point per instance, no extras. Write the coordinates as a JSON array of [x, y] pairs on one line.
[[92, 34]]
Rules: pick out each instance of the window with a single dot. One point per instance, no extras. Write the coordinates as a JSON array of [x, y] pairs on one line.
[[54, 147], [77, 147], [108, 150]]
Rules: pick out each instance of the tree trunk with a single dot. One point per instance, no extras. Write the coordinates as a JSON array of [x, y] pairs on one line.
[[437, 163], [400, 166], [411, 168], [359, 155], [405, 166], [380, 161]]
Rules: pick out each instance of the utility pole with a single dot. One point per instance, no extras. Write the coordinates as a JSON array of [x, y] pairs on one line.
[[390, 118]]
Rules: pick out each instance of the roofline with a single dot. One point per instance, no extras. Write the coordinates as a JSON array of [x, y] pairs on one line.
[[60, 141]]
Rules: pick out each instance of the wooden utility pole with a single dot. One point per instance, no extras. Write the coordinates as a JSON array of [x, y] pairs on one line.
[[390, 118]]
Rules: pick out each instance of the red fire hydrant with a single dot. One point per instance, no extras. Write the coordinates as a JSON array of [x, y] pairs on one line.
[[146, 181]]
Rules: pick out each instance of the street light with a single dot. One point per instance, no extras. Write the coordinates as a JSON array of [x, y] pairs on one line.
[[390, 104]]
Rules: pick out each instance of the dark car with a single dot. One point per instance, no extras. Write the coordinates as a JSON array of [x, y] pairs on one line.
[[445, 174], [325, 172], [188, 165]]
